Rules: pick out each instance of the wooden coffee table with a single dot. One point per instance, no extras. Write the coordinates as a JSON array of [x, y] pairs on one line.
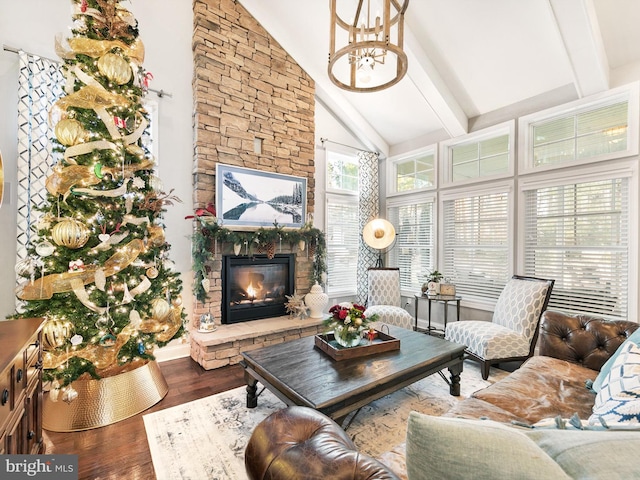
[[300, 374]]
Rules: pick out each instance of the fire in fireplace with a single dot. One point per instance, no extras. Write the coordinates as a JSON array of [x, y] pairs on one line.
[[256, 287]]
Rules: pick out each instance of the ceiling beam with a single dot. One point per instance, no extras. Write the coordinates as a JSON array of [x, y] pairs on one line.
[[433, 89], [580, 33]]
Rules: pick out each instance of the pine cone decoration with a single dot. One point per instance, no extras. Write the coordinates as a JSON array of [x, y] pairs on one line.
[[312, 249], [271, 250]]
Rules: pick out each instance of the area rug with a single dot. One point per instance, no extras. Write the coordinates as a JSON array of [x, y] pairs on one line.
[[206, 438]]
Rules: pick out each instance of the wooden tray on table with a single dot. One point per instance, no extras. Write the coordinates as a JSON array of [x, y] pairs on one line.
[[381, 343]]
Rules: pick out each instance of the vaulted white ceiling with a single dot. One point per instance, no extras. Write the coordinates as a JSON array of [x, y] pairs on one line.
[[472, 63]]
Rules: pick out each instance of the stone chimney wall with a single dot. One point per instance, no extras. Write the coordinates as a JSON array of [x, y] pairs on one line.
[[247, 90]]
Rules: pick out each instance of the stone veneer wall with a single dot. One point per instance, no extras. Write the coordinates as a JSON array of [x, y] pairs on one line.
[[247, 87]]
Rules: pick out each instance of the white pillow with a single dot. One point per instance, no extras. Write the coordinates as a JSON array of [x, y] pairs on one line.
[[618, 401]]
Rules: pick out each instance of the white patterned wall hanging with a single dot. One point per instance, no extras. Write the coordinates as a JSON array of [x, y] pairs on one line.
[[368, 207], [40, 84]]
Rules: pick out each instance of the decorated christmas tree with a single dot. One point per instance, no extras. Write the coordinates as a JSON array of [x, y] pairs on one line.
[[98, 267]]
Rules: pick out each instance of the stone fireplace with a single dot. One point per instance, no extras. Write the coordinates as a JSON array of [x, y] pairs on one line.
[[255, 108]]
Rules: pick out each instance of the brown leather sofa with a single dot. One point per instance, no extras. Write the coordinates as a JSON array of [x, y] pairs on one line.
[[299, 443], [552, 383]]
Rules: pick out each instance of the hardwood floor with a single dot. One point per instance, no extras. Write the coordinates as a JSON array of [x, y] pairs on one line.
[[121, 451]]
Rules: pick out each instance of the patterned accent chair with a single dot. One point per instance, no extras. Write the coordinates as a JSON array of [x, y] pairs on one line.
[[384, 298], [513, 331]]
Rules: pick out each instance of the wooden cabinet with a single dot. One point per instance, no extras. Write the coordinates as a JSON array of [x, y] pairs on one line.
[[21, 386]]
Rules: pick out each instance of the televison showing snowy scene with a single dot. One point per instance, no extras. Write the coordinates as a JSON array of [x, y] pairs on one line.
[[252, 198]]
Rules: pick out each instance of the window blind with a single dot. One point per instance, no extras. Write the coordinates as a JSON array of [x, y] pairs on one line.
[[581, 135], [476, 245], [342, 239], [480, 159], [414, 249], [579, 235]]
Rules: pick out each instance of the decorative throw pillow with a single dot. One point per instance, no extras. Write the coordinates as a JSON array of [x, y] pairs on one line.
[[606, 368], [587, 454], [618, 401], [454, 448]]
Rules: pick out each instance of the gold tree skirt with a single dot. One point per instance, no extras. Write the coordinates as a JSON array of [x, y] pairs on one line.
[[107, 400]]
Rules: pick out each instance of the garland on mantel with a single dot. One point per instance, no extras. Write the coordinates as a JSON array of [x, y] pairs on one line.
[[209, 236]]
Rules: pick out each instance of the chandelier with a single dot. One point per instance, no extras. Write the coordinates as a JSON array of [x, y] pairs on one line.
[[372, 58]]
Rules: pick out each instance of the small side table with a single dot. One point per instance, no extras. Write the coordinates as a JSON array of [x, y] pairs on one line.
[[437, 298]]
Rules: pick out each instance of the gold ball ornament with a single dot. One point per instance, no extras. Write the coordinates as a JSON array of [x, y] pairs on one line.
[[160, 308], [115, 68], [69, 131], [176, 301], [55, 333], [70, 233], [152, 272]]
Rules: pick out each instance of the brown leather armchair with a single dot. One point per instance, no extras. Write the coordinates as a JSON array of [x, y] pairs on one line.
[[299, 443]]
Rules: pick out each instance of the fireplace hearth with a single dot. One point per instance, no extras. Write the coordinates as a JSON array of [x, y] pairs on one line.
[[256, 287]]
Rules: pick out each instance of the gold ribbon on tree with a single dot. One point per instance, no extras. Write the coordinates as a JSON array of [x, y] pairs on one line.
[[63, 179], [97, 48], [83, 296], [103, 357], [90, 97], [43, 288], [166, 328], [100, 356], [88, 147], [81, 293]]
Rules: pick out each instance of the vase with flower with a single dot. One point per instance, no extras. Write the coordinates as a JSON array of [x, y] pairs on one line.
[[348, 323]]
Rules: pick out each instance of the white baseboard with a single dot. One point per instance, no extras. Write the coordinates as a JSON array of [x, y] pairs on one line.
[[172, 352]]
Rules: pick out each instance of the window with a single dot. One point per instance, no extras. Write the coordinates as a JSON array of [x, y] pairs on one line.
[[342, 232], [581, 135], [479, 156], [414, 173], [577, 219], [342, 172], [413, 252], [585, 131], [480, 159], [578, 234], [476, 250], [342, 237]]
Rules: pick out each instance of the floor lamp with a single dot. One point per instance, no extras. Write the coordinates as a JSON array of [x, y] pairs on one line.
[[379, 234]]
